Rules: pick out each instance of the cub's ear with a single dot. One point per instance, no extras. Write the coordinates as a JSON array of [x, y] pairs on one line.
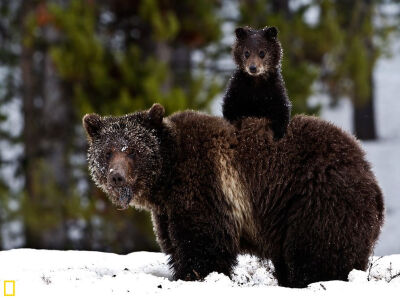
[[156, 114], [92, 124], [241, 33], [270, 32]]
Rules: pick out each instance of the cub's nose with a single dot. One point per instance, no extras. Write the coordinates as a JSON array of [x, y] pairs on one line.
[[117, 179], [253, 69]]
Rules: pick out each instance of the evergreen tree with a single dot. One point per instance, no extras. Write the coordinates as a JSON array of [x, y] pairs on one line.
[[339, 49], [61, 59], [365, 32], [9, 90], [302, 45], [111, 57]]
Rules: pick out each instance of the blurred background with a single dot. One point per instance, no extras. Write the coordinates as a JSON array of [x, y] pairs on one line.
[[60, 59]]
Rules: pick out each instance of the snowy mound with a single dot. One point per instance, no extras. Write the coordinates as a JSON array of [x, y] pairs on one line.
[[83, 274]]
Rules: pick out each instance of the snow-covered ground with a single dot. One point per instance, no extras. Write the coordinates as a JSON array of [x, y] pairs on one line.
[[47, 274]]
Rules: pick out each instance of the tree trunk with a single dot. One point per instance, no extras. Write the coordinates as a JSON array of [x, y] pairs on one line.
[[281, 6], [363, 111], [181, 64], [47, 134], [1, 233], [364, 115], [57, 123], [29, 136]]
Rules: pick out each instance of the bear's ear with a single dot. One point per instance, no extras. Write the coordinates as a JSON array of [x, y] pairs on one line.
[[156, 114], [92, 124], [241, 33], [270, 32]]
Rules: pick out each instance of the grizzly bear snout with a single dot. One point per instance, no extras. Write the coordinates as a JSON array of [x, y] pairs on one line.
[[119, 170], [116, 178], [120, 178]]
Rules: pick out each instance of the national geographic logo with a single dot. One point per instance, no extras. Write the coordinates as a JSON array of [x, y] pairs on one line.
[[9, 287]]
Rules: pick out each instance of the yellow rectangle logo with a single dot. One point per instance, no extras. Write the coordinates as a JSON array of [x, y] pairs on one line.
[[9, 287]]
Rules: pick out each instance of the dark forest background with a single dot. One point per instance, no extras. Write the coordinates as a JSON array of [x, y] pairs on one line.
[[60, 59]]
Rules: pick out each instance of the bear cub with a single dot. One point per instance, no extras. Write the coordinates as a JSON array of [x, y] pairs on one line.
[[256, 88]]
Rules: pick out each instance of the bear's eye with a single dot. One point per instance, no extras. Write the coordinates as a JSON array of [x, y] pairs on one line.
[[132, 155], [262, 54], [108, 155], [247, 54]]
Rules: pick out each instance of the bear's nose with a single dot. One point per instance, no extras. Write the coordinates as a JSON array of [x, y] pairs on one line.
[[117, 179], [253, 69]]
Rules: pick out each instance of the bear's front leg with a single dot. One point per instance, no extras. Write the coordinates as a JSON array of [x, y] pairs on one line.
[[202, 245], [160, 225]]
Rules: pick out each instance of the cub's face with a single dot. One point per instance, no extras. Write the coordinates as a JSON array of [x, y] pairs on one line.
[[124, 155], [257, 51]]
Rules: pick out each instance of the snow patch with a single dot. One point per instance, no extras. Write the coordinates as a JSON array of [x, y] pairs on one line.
[[94, 275]]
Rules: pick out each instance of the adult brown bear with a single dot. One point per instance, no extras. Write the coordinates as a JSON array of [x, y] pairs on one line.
[[309, 202]]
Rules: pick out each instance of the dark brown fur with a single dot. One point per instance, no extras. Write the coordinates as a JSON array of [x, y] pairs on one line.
[[308, 202]]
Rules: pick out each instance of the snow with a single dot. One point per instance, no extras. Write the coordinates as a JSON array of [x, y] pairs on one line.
[[62, 274]]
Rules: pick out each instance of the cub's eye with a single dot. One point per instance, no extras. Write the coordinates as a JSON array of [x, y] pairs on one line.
[[132, 155], [247, 54], [108, 155], [262, 54]]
